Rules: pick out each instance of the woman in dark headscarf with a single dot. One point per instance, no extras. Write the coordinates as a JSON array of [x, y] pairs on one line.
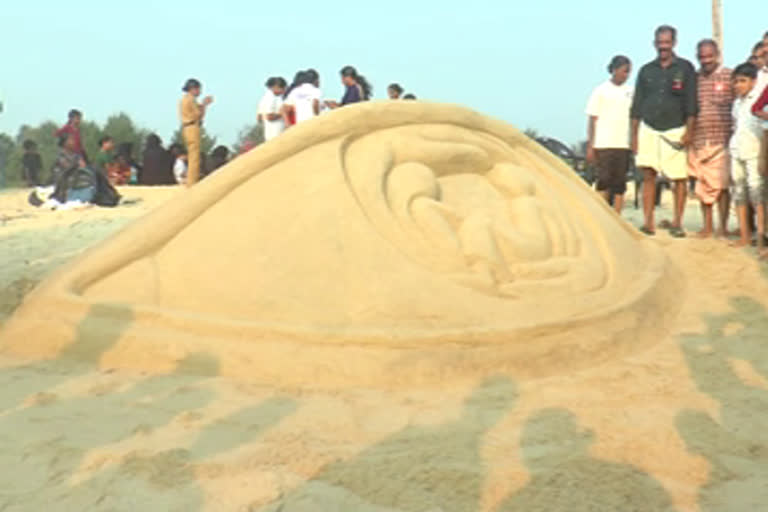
[[158, 165]]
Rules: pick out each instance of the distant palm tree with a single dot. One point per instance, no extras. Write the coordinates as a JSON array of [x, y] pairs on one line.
[[717, 22]]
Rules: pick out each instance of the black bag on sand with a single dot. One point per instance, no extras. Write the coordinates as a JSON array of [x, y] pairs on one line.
[[105, 194]]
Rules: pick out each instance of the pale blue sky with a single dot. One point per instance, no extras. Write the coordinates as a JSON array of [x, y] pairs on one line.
[[532, 64]]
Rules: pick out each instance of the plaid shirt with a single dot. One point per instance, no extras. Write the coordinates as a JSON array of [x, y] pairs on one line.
[[714, 123]]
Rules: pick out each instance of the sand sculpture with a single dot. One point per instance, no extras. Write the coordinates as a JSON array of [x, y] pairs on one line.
[[385, 242]]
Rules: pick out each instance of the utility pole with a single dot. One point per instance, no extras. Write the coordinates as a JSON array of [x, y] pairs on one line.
[[717, 23]]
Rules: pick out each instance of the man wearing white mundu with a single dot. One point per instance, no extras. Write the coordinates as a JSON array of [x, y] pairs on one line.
[[663, 117]]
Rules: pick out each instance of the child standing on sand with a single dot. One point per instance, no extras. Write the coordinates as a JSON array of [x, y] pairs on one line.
[[748, 182]]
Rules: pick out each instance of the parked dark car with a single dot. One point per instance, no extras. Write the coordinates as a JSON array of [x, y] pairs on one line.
[[576, 162]]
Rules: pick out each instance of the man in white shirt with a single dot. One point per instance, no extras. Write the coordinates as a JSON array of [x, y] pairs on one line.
[[271, 107]]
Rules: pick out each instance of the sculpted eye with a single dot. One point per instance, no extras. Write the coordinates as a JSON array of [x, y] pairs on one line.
[[386, 242]]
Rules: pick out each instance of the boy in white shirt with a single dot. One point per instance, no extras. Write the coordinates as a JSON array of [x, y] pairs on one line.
[[748, 182], [271, 107]]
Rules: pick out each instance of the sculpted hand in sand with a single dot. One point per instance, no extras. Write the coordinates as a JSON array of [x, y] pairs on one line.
[[392, 241]]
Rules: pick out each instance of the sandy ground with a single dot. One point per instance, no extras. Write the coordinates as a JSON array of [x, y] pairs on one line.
[[680, 426]]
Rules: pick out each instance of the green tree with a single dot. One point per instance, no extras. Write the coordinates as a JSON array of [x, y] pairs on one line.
[[7, 148], [123, 130], [250, 134], [90, 133], [47, 145], [531, 132]]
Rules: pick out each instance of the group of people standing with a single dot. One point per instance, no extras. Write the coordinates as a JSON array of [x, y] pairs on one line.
[[709, 125], [281, 107]]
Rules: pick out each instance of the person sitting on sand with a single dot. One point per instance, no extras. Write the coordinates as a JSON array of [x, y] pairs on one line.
[[219, 158], [67, 158], [749, 185], [394, 91], [105, 159], [32, 163], [358, 88], [179, 156], [128, 167], [157, 167]]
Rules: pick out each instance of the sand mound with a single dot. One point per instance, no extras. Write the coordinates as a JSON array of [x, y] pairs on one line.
[[391, 242]]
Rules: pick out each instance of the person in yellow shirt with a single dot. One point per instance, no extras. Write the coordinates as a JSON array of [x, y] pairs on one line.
[[191, 114]]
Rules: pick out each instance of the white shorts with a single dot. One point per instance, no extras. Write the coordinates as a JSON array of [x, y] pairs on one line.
[[656, 150], [748, 184]]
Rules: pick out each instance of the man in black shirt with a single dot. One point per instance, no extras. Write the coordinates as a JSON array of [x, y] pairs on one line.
[[663, 114]]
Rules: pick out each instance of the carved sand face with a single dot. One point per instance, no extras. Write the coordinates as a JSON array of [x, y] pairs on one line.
[[477, 210], [422, 239]]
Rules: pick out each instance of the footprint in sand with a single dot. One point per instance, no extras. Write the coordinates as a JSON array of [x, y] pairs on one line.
[[41, 399]]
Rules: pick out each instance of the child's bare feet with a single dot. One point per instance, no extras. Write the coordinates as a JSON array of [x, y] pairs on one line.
[[704, 233], [740, 243]]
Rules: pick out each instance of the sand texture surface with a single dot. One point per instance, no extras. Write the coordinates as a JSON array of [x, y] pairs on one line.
[[674, 420]]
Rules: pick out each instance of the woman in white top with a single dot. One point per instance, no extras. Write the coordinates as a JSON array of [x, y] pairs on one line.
[[303, 100], [608, 131], [271, 108]]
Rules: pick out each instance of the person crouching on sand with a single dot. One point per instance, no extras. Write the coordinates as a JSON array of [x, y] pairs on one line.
[[191, 114]]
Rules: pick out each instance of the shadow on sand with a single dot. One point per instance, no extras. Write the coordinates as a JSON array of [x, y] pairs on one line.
[[440, 468], [565, 478], [728, 362], [46, 438]]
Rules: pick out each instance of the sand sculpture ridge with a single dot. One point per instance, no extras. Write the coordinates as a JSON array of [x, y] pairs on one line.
[[389, 241]]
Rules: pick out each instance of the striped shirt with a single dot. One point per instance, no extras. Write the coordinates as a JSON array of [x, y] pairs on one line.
[[714, 123]]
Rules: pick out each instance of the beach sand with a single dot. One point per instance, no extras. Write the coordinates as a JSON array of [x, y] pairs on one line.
[[680, 426]]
